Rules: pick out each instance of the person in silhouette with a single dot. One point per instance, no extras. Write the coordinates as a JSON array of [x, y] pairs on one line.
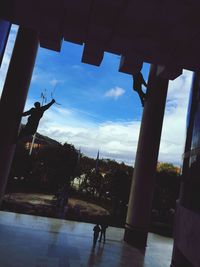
[[96, 230], [62, 200], [35, 114], [104, 226], [138, 81]]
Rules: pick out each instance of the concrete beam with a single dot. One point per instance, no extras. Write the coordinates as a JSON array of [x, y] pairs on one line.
[[170, 73], [130, 64], [76, 20], [92, 55]]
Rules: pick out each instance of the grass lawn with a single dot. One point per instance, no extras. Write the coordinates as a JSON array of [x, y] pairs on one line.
[[43, 205]]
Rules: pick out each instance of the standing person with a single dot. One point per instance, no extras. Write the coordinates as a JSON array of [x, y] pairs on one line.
[[138, 81], [62, 201], [36, 114], [96, 230], [104, 226]]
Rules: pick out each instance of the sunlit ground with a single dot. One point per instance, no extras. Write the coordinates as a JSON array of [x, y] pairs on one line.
[[42, 204]]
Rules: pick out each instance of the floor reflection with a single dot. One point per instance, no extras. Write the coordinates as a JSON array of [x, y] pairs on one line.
[[95, 255], [43, 242]]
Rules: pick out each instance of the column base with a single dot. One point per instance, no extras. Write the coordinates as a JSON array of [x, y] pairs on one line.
[[136, 236], [179, 260]]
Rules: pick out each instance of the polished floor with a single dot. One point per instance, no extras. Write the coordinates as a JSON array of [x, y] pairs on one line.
[[32, 241]]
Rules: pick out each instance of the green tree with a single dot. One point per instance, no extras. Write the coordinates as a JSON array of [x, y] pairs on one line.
[[166, 190], [60, 164]]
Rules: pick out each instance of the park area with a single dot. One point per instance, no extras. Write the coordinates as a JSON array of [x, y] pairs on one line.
[[46, 205], [58, 181]]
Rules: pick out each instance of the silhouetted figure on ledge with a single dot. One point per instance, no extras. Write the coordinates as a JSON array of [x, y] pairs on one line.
[[138, 81], [35, 114]]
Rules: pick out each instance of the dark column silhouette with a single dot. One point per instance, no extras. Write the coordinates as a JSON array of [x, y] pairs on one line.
[[189, 201], [140, 201], [14, 96]]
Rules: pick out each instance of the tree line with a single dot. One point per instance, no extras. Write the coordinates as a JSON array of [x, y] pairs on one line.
[[50, 167]]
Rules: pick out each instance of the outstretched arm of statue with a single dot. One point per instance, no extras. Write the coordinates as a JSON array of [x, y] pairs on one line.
[[45, 107]]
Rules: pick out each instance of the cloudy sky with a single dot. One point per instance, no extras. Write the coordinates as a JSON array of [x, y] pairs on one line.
[[98, 108]]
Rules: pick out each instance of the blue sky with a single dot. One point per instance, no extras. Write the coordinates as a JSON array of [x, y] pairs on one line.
[[102, 92], [99, 109]]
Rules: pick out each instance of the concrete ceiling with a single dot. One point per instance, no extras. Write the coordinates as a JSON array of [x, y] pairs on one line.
[[164, 32]]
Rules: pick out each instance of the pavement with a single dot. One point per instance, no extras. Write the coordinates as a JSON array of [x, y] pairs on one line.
[[33, 241]]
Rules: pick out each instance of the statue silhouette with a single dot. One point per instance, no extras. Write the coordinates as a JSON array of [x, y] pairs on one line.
[[138, 81], [36, 114]]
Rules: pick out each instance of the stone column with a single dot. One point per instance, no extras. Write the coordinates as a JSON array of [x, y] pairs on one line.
[[14, 96], [188, 202], [187, 186], [142, 188], [4, 33]]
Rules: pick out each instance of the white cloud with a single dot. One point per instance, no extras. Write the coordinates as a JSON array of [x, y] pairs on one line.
[[174, 126], [118, 140], [54, 82], [34, 77], [115, 140], [115, 92], [77, 67]]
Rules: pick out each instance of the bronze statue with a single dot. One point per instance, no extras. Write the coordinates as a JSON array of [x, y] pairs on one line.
[[35, 114], [138, 81]]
